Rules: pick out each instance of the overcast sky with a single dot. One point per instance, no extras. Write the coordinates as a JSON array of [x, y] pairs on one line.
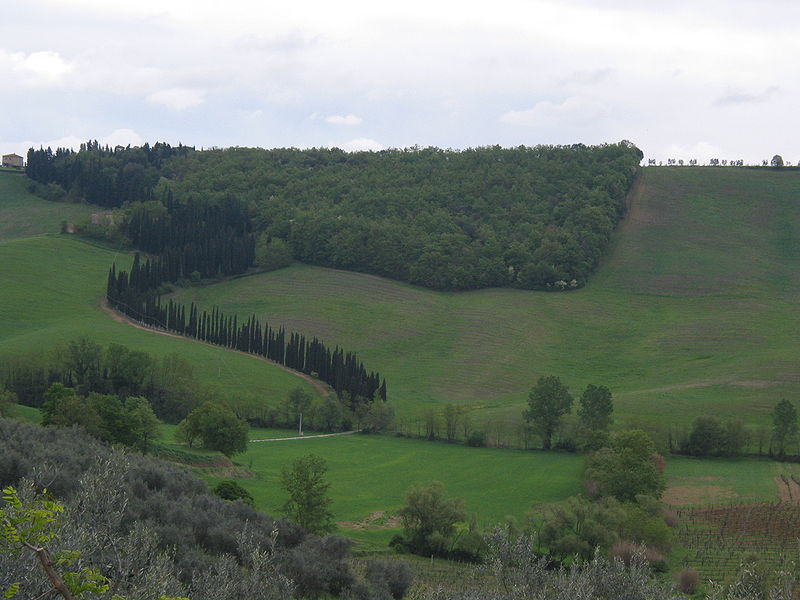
[[682, 78]]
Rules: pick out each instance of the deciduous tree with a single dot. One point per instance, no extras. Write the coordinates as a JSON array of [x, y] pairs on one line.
[[627, 468], [548, 401], [596, 407], [784, 419], [308, 504], [217, 426], [429, 519]]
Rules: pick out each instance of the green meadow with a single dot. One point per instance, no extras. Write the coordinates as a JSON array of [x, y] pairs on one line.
[[694, 312], [370, 476], [50, 291], [23, 214], [694, 481]]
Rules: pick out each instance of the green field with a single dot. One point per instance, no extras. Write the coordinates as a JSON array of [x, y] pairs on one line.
[[23, 214], [694, 481], [694, 312], [370, 476], [50, 290]]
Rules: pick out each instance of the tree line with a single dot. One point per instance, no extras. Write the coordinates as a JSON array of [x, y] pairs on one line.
[[102, 175], [529, 217], [169, 383], [134, 294]]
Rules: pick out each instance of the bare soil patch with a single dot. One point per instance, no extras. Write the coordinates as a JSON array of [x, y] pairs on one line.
[[232, 473], [684, 495], [788, 489], [380, 519]]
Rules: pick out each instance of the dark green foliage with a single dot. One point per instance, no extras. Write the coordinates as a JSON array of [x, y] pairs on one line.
[[710, 437], [477, 439], [579, 526], [228, 489], [528, 217], [7, 402], [103, 176], [82, 362], [308, 504], [434, 525], [216, 427], [211, 240], [272, 253], [129, 421], [548, 401], [596, 407], [168, 383], [784, 419], [626, 469]]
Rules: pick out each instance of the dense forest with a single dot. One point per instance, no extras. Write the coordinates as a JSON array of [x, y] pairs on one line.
[[531, 217]]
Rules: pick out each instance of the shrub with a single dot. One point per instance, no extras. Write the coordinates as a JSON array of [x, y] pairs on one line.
[[477, 439], [394, 576], [228, 489], [688, 580]]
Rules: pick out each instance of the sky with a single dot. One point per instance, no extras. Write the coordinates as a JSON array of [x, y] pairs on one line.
[[680, 79]]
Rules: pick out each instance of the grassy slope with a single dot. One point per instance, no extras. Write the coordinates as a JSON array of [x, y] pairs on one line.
[[692, 313], [51, 286], [24, 215], [695, 312]]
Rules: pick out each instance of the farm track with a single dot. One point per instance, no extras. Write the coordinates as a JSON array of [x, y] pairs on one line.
[[307, 437], [788, 489], [318, 386]]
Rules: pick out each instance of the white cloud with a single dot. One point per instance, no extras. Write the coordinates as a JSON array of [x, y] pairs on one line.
[[573, 110], [360, 144], [733, 97], [178, 98], [443, 73], [118, 137], [122, 137], [37, 68], [701, 151], [343, 120]]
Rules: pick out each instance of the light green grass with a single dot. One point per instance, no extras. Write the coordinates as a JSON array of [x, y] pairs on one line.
[[694, 481], [50, 290], [373, 473], [27, 413], [22, 214], [694, 312]]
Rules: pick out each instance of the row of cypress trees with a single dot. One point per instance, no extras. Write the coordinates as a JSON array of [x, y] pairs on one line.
[[196, 237], [134, 294]]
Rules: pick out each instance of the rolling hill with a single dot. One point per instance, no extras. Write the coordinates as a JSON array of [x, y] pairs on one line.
[[50, 291], [693, 312]]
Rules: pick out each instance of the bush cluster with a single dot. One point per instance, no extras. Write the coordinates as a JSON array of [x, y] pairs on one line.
[[164, 518]]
